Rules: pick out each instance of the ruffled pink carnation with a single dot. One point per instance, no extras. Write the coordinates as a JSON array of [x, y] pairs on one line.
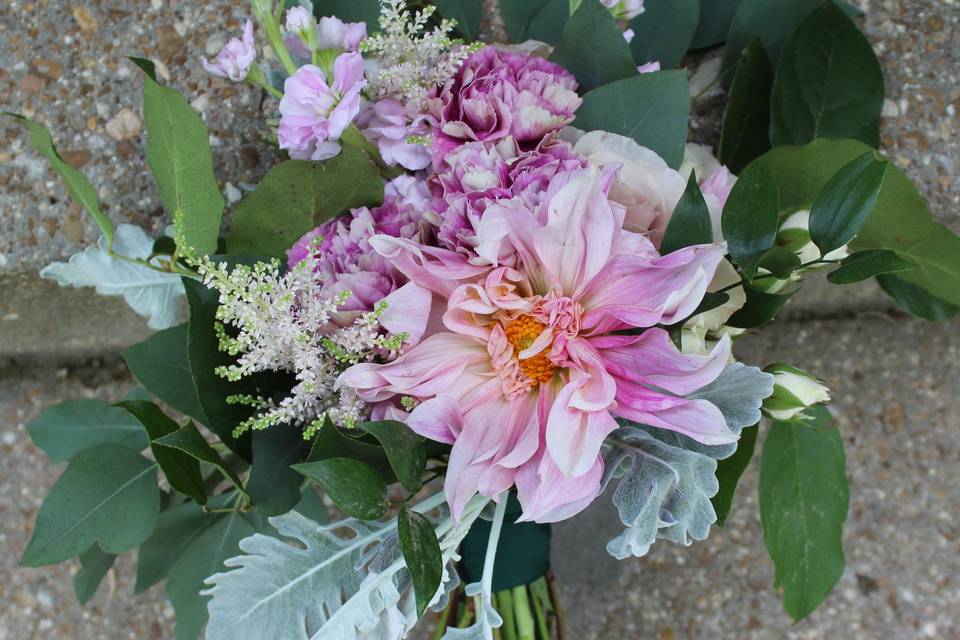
[[314, 114], [505, 98], [401, 137]]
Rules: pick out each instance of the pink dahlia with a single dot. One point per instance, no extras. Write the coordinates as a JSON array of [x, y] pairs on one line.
[[315, 113], [506, 98], [532, 364]]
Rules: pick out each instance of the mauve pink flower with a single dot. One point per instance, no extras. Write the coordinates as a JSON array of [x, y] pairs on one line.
[[532, 365], [298, 19], [334, 33], [235, 59], [390, 126], [650, 67], [314, 114], [505, 98]]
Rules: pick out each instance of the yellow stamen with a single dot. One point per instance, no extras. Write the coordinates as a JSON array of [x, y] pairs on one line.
[[521, 333]]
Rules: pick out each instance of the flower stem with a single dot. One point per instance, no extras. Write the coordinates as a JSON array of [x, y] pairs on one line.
[[525, 628]]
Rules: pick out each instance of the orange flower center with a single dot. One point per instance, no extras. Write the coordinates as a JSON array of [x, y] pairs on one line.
[[521, 333]]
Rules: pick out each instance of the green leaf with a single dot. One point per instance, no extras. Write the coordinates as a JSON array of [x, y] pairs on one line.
[[900, 220], [274, 487], [828, 83], [780, 262], [297, 196], [803, 505], [68, 428], [651, 108], [751, 217], [715, 19], [161, 364], [190, 441], [178, 150], [467, 13], [664, 31], [351, 11], [181, 470], [94, 564], [331, 442], [353, 486], [202, 558], [405, 449], [82, 192], [845, 202], [760, 308], [746, 121], [729, 471], [915, 300], [108, 494], [176, 529], [690, 223], [204, 357], [867, 264], [421, 551], [593, 49], [771, 21], [311, 505], [519, 15]]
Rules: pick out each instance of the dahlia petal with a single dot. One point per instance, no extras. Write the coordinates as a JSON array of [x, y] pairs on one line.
[[546, 495], [574, 436], [698, 419], [438, 419]]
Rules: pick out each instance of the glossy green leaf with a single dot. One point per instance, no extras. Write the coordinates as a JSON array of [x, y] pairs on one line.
[[916, 300], [845, 202], [108, 494], [467, 13], [79, 187], [746, 121], [161, 364], [729, 471], [203, 557], [65, 429], [94, 565], [182, 470], [178, 150], [780, 262], [519, 15], [297, 196], [593, 49], [771, 21], [760, 308], [332, 442], [866, 264], [651, 108], [715, 19], [751, 217], [351, 11], [176, 529], [274, 487], [353, 486], [548, 24], [421, 551], [405, 450], [664, 31], [190, 441], [803, 504], [311, 505], [205, 356], [828, 83], [690, 223]]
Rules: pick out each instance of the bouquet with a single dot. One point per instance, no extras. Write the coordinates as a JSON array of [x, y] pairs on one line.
[[487, 284]]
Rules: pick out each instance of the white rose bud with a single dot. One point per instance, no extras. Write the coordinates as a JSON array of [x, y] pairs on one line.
[[794, 390]]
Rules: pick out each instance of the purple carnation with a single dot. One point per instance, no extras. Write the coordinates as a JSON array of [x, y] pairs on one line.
[[504, 98]]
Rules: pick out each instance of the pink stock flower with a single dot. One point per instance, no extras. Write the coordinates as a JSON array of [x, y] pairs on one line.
[[314, 114], [505, 98], [298, 19], [235, 59], [531, 365], [401, 138], [649, 67], [334, 33]]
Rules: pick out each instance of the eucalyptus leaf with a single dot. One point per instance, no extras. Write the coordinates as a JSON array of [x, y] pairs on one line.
[[161, 364], [108, 494], [274, 486], [405, 449], [845, 202], [65, 429], [178, 150], [94, 565], [353, 486], [690, 222], [177, 527], [421, 552], [593, 49], [915, 300], [190, 441], [651, 108], [519, 15], [751, 217], [729, 471], [664, 31], [151, 293], [351, 11], [297, 196], [803, 504], [548, 24], [715, 19], [746, 121], [80, 188], [467, 13], [866, 264]]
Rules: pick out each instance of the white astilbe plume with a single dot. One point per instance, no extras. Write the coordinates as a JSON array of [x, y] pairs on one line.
[[282, 324], [407, 60]]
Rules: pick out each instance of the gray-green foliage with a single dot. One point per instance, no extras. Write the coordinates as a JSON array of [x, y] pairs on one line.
[[65, 429]]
